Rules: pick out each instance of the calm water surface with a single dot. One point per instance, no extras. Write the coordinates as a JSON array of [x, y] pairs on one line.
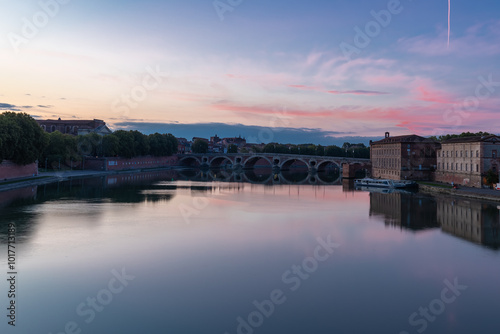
[[168, 253]]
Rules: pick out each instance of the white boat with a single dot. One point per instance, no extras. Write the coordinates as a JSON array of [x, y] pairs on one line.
[[382, 183]]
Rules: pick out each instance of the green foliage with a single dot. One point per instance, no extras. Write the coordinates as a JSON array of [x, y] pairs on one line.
[[462, 135], [89, 144], [162, 144], [232, 148], [491, 177], [60, 149], [334, 151], [110, 145], [348, 149], [21, 138], [199, 146]]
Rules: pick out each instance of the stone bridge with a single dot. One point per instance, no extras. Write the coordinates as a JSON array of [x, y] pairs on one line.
[[280, 162]]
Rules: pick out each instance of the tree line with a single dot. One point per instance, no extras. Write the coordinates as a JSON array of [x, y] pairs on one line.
[[23, 141], [462, 135], [347, 150]]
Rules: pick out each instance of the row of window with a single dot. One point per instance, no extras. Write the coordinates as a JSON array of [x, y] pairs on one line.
[[450, 154], [387, 151], [449, 166], [388, 163]]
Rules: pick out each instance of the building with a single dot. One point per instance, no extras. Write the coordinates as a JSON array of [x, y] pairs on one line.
[[408, 157], [238, 141], [183, 146], [199, 138], [75, 127], [465, 160]]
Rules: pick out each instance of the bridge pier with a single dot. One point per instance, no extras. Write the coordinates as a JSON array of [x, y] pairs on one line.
[[352, 171]]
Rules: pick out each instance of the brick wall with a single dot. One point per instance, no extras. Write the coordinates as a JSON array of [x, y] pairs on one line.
[[10, 170]]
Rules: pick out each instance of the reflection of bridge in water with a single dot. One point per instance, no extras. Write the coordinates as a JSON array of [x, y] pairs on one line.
[[263, 176]]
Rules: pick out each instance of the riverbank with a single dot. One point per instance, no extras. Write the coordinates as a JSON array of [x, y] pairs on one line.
[[58, 176], [468, 192]]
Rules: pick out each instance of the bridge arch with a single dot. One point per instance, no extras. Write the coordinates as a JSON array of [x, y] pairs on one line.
[[220, 161], [251, 161], [322, 166], [287, 163], [190, 161]]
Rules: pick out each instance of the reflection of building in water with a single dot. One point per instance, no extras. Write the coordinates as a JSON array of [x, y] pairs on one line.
[[469, 220], [411, 211]]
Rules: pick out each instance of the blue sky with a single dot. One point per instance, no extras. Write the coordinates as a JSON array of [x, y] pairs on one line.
[[266, 64]]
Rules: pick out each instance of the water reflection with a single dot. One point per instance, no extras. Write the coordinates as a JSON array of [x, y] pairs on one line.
[[11, 204], [474, 221], [265, 176], [404, 210], [470, 220]]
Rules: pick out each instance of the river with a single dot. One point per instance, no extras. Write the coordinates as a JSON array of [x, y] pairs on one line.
[[196, 252]]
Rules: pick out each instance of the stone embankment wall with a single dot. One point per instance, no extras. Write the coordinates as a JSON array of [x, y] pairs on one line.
[[10, 170]]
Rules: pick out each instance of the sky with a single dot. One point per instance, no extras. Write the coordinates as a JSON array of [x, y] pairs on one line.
[[290, 71]]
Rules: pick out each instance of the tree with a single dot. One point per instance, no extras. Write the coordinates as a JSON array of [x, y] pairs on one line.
[[141, 143], [320, 150], [232, 148], [60, 148], [110, 145], [199, 146], [22, 139], [462, 135], [334, 151], [126, 146], [491, 177], [89, 144]]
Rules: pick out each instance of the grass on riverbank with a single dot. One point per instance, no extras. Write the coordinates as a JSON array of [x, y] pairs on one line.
[[439, 185]]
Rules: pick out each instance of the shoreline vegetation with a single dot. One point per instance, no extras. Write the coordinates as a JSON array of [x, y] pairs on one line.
[[464, 192]]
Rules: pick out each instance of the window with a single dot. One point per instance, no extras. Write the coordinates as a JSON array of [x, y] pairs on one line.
[[494, 154], [447, 166], [461, 152], [456, 166], [439, 165], [477, 153], [461, 166], [466, 153], [451, 166], [477, 168], [466, 166], [456, 154], [439, 154]]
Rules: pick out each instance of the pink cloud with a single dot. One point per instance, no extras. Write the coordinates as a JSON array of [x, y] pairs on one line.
[[430, 95], [268, 110], [357, 92], [339, 92]]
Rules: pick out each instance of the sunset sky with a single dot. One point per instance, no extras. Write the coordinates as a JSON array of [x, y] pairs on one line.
[[180, 65]]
